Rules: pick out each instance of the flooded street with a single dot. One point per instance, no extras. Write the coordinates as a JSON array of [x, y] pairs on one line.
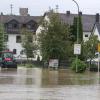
[[46, 84]]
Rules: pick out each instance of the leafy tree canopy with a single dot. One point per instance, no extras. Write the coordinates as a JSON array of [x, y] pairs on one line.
[[55, 38]]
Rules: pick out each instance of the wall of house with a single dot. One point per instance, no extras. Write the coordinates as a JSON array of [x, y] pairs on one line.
[[11, 44], [95, 32], [86, 36]]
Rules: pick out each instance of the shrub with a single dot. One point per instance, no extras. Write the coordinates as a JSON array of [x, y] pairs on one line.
[[29, 65], [81, 66]]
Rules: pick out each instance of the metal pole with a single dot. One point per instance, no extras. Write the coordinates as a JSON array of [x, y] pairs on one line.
[[77, 31], [98, 61], [77, 21]]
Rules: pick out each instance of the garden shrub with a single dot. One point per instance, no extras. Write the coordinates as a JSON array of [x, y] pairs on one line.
[[81, 66]]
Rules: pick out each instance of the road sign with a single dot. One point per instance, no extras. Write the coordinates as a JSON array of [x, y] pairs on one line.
[[53, 63], [98, 47], [77, 49]]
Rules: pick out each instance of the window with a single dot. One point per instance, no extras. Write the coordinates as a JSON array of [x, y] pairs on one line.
[[14, 51], [6, 38], [86, 35], [18, 39], [15, 25], [9, 25], [24, 25], [29, 26]]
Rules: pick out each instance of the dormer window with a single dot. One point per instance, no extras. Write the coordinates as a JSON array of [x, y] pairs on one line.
[[9, 25], [29, 26], [15, 25]]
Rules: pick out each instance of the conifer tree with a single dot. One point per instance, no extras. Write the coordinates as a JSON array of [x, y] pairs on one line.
[[80, 29]]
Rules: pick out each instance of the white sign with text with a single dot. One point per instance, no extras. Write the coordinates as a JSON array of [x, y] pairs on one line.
[[77, 49]]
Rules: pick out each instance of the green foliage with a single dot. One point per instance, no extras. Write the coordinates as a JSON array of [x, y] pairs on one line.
[[74, 29], [28, 44], [90, 47], [55, 39], [80, 29], [81, 66], [30, 65], [2, 45]]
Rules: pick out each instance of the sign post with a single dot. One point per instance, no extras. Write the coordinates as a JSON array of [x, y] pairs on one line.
[[77, 51]]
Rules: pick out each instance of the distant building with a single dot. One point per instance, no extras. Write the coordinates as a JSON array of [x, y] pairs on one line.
[[13, 25], [88, 22]]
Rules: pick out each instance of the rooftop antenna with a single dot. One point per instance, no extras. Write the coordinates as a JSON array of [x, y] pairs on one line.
[[49, 8], [57, 7], [11, 6]]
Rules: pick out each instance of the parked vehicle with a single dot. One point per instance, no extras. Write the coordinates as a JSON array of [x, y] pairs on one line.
[[7, 60], [94, 63]]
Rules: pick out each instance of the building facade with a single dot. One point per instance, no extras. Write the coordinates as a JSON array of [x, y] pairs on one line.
[[12, 27], [88, 22], [14, 23]]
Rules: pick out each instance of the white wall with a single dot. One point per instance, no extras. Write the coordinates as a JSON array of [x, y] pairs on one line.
[[13, 45], [96, 33]]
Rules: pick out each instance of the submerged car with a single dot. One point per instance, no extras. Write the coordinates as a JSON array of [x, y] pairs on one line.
[[7, 60]]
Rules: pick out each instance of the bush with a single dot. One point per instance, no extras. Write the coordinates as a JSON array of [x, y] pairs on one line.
[[81, 66], [29, 65]]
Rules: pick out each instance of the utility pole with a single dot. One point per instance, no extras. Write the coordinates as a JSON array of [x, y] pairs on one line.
[[11, 6], [57, 7], [77, 31]]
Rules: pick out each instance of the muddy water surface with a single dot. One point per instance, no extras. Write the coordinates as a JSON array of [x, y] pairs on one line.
[[46, 84]]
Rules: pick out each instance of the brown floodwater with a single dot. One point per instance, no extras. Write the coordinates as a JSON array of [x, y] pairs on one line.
[[48, 84]]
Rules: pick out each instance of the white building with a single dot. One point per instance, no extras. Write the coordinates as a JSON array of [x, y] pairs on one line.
[[96, 30], [13, 25], [88, 22]]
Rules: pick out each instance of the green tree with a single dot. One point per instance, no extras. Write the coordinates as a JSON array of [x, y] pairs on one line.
[[74, 29], [90, 47], [80, 29], [55, 39], [28, 44], [2, 33]]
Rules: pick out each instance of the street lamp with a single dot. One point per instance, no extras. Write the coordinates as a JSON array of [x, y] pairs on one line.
[[77, 31], [77, 21]]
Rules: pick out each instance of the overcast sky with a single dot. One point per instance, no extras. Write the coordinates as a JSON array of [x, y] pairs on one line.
[[38, 7]]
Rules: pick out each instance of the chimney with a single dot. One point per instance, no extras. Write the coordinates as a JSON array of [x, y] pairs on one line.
[[68, 13], [23, 11], [1, 13], [80, 13], [97, 18]]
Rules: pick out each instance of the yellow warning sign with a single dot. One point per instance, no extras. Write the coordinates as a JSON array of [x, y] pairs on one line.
[[98, 47]]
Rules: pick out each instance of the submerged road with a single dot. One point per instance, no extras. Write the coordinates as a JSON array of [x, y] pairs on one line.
[[44, 84]]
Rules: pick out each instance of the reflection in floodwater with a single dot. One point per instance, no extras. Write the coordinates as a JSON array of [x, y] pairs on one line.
[[47, 84]]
